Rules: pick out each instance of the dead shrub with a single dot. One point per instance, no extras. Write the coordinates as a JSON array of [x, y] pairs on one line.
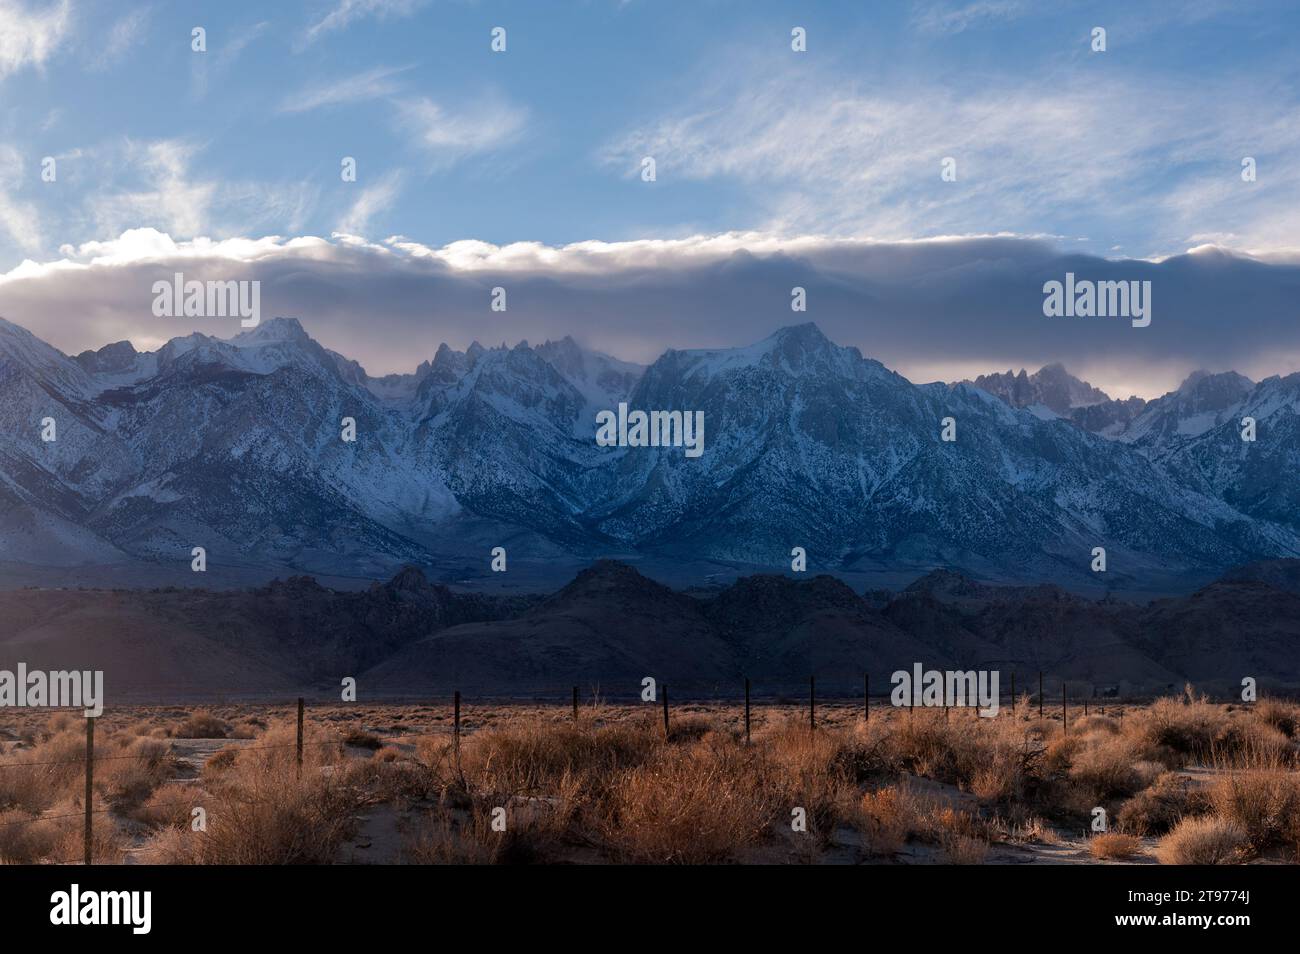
[[1161, 805], [202, 725], [1208, 840], [1114, 846]]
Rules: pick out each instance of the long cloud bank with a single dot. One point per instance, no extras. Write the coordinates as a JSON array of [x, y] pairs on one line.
[[937, 309]]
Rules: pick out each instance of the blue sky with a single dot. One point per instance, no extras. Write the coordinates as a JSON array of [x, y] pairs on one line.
[[543, 142], [1130, 153]]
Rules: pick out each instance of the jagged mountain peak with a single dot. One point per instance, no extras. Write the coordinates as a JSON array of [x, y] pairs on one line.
[[1052, 386], [804, 442], [116, 357], [273, 329], [1216, 385]]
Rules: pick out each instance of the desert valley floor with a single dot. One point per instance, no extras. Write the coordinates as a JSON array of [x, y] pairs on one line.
[[1180, 781]]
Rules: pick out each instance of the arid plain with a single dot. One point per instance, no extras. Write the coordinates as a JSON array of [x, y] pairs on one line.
[[1176, 780]]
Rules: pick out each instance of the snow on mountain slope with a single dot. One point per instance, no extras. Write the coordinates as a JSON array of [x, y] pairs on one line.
[[235, 445], [1051, 386], [1202, 402]]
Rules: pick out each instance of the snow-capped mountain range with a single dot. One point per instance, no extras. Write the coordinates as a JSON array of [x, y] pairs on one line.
[[234, 445]]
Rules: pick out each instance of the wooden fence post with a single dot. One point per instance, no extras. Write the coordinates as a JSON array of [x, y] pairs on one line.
[[575, 703], [1040, 693], [90, 787], [299, 737], [1065, 723], [456, 718], [812, 703], [747, 710], [866, 698], [665, 692], [1013, 692]]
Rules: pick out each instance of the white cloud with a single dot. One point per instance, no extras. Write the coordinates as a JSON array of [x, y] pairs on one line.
[[346, 12], [933, 309], [373, 200], [171, 198], [28, 37], [121, 37], [17, 218], [820, 154], [451, 135], [956, 18], [371, 84]]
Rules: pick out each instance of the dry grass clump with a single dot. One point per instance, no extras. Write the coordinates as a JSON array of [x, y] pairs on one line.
[[132, 770], [202, 725], [1283, 716], [1209, 840], [890, 817], [259, 812], [26, 839], [815, 771], [690, 805], [531, 758], [1095, 723], [961, 836], [169, 806], [886, 817], [52, 771], [1105, 766], [1114, 846], [444, 839], [1264, 802], [1162, 805], [994, 758], [1187, 728]]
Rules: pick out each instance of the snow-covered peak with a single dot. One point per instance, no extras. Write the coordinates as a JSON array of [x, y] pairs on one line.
[[277, 329], [1051, 386], [47, 364], [602, 380], [1202, 402]]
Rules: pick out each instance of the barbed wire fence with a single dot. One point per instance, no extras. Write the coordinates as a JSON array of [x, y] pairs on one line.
[[696, 693]]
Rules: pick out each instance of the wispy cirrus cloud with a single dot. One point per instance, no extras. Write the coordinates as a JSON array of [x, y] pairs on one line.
[[346, 12], [168, 196], [122, 37], [370, 84], [957, 17], [373, 200], [18, 218], [818, 154], [30, 35], [155, 184], [449, 135]]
